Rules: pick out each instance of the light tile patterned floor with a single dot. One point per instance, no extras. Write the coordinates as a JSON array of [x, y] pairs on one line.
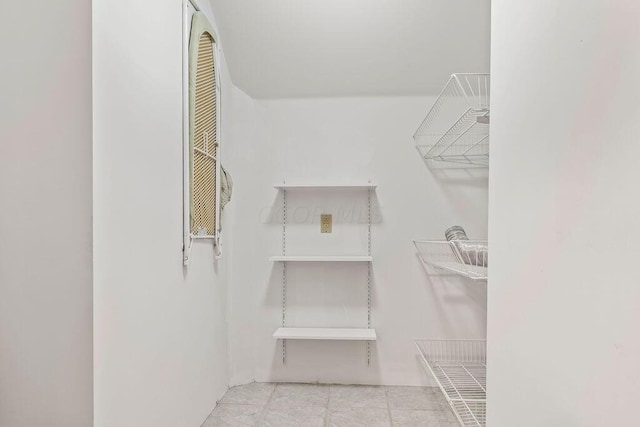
[[302, 405]]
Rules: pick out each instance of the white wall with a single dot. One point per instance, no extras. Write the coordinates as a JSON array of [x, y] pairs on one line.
[[45, 219], [160, 330], [246, 145], [564, 300], [316, 48], [347, 140]]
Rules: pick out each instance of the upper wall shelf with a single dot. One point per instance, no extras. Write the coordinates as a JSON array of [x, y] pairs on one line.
[[322, 258], [456, 129], [364, 186]]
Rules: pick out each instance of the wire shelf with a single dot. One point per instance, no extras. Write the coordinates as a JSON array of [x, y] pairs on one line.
[[459, 368], [467, 258], [456, 129]]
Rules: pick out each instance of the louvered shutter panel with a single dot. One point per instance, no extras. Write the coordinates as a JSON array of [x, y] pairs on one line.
[[205, 138]]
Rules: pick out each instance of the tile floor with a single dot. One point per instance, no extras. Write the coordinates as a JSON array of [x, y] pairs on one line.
[[302, 405]]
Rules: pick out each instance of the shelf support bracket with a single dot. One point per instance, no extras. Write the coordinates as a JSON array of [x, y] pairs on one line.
[[284, 271], [369, 272]]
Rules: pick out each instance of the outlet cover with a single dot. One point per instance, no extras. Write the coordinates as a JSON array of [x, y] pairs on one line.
[[326, 223]]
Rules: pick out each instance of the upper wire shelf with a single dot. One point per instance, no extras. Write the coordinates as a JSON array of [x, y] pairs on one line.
[[467, 258], [456, 129]]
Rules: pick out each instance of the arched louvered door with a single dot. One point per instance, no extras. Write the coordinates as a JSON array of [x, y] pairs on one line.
[[202, 195], [204, 140]]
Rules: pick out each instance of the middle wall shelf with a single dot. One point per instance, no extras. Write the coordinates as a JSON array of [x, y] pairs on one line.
[[333, 334]]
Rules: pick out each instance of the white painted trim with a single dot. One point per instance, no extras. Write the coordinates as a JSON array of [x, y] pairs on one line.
[[186, 167]]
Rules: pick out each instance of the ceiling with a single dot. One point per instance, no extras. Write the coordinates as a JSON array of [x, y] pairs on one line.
[[306, 48]]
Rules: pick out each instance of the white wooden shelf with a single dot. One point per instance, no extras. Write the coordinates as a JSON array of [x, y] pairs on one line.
[[336, 334], [364, 334], [321, 258], [325, 186]]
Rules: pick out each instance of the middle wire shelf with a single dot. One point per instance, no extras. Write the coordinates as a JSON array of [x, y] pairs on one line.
[[452, 256]]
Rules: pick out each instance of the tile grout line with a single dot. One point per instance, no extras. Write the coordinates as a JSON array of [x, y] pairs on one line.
[[326, 412], [435, 408], [218, 403], [386, 398], [263, 412]]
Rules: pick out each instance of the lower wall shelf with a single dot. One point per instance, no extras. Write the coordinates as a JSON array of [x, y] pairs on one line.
[[460, 369], [348, 334]]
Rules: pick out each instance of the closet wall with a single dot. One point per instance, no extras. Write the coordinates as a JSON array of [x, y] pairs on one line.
[[564, 300], [246, 151], [160, 328], [46, 344], [347, 140]]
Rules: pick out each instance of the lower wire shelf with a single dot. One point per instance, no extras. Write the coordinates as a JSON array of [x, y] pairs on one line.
[[459, 367]]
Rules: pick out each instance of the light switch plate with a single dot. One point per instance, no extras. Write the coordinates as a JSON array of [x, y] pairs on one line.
[[326, 223]]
